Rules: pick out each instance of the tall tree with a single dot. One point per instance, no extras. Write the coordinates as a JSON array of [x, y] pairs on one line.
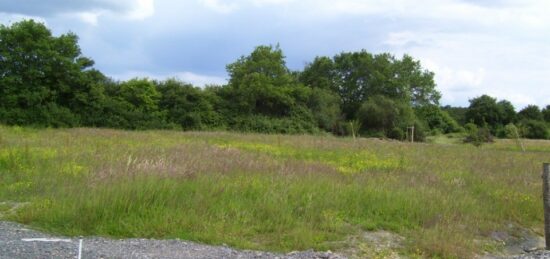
[[483, 111], [546, 113], [508, 112], [356, 76], [382, 114], [187, 106], [530, 112], [262, 84], [41, 76]]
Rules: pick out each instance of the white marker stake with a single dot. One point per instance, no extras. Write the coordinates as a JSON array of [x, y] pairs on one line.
[[80, 250]]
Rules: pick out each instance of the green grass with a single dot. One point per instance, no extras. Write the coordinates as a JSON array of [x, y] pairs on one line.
[[270, 192]]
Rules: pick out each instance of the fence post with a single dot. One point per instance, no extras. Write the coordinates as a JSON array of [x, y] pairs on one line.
[[546, 200]]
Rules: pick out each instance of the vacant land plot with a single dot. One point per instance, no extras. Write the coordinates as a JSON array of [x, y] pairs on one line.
[[271, 192]]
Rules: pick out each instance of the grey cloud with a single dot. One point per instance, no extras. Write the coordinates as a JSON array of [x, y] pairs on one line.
[[54, 7]]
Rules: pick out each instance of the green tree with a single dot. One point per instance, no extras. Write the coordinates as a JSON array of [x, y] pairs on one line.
[[326, 109], [507, 111], [319, 74], [534, 129], [530, 112], [261, 83], [263, 94], [134, 104], [457, 113], [42, 77], [382, 114], [437, 119], [187, 106], [546, 113], [356, 76], [484, 110]]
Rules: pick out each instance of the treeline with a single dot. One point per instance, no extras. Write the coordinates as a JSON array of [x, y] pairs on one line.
[[499, 118], [45, 81]]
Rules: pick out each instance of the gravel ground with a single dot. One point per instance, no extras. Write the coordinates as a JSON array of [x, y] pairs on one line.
[[535, 255], [16, 241]]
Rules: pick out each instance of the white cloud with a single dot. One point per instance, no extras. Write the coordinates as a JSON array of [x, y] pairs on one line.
[[200, 80], [219, 6], [401, 39], [459, 80], [141, 9], [89, 17], [186, 76], [229, 6]]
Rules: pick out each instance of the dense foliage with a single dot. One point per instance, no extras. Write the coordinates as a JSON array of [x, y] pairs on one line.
[[45, 81]]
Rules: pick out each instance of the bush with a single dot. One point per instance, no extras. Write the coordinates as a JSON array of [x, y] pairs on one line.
[[534, 129], [510, 131], [396, 133], [419, 131], [265, 124], [439, 121], [380, 113], [477, 136]]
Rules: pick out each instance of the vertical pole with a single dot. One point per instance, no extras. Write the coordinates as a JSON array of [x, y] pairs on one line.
[[412, 134], [546, 200]]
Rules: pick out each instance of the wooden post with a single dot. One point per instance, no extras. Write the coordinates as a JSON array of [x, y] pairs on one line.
[[546, 200]]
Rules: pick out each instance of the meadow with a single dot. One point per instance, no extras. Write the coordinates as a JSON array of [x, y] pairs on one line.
[[272, 192]]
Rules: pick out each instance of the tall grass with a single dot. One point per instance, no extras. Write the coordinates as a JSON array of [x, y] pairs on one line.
[[272, 192]]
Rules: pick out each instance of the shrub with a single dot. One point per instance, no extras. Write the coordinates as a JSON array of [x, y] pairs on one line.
[[396, 133], [534, 129], [477, 136], [509, 131], [380, 113]]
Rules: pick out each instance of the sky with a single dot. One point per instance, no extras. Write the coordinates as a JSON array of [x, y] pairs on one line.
[[474, 47]]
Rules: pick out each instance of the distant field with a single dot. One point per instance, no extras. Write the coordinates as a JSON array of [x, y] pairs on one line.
[[271, 192]]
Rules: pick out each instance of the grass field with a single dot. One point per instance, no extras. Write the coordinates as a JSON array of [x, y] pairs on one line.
[[271, 192]]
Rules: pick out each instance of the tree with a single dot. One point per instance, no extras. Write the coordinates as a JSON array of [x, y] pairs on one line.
[[262, 84], [356, 76], [457, 113], [326, 109], [484, 110], [263, 95], [507, 111], [319, 74], [187, 106], [382, 114], [437, 119], [42, 77], [546, 113], [530, 112], [134, 104], [417, 80], [534, 129]]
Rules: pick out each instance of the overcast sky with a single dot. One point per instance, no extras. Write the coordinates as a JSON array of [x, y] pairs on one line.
[[501, 48]]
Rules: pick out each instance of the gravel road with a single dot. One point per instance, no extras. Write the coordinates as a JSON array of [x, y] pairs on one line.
[[17, 241]]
